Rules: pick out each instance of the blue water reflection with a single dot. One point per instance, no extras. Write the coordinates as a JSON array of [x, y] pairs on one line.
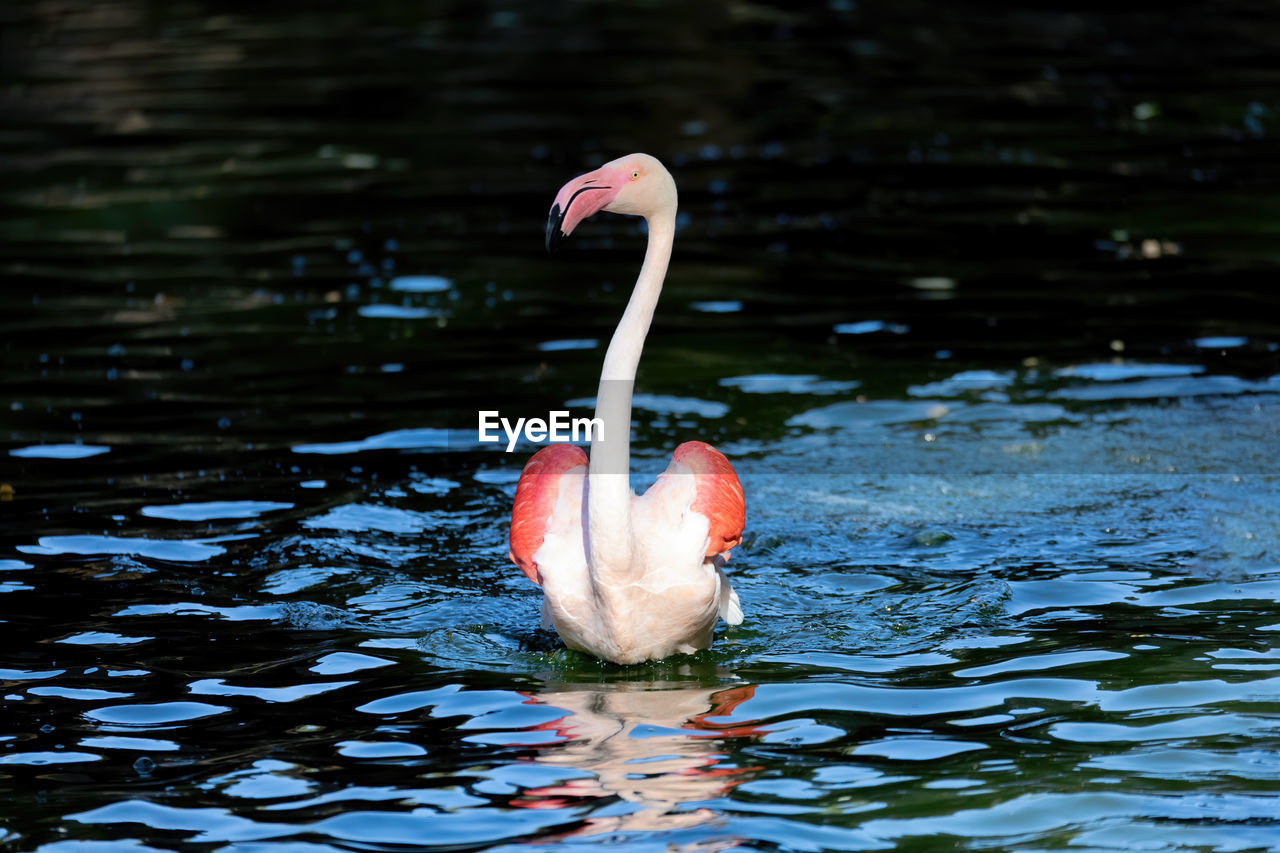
[[187, 551], [211, 510], [59, 451], [1009, 572]]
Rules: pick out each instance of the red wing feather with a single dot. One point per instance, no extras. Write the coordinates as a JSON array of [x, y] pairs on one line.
[[536, 495], [720, 496]]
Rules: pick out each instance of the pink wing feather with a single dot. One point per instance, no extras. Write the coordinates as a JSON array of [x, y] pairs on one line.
[[720, 496], [536, 495]]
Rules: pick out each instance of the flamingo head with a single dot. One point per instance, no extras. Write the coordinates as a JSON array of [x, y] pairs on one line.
[[637, 184]]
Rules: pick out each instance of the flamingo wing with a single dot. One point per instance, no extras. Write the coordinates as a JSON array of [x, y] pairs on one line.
[[536, 495], [719, 494]]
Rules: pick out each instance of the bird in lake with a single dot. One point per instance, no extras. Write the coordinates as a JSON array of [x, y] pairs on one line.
[[624, 577]]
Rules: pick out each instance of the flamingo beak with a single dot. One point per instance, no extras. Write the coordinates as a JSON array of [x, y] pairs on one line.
[[580, 198], [555, 220]]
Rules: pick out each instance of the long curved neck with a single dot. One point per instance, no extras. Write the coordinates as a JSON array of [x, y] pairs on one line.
[[609, 479]]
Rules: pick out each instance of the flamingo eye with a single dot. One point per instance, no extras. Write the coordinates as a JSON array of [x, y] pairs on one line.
[[635, 174]]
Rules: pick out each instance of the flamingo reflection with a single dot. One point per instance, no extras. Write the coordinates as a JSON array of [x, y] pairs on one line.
[[653, 745]]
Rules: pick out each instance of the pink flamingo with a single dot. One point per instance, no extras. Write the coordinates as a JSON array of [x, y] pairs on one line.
[[628, 578]]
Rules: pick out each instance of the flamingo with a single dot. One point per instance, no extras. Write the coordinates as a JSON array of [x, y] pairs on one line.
[[628, 578]]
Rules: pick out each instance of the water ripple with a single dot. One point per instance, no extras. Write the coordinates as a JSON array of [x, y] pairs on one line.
[[1009, 573], [291, 693], [59, 451], [401, 439], [188, 551], [211, 510], [154, 713]]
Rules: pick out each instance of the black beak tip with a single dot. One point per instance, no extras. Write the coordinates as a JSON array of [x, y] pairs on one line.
[[554, 234]]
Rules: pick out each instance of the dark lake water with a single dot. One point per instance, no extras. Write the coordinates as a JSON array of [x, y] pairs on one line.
[[980, 302]]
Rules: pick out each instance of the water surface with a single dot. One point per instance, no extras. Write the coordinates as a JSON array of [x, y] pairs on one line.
[[980, 305]]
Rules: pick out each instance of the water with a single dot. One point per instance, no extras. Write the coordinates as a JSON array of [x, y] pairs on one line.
[[979, 305]]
